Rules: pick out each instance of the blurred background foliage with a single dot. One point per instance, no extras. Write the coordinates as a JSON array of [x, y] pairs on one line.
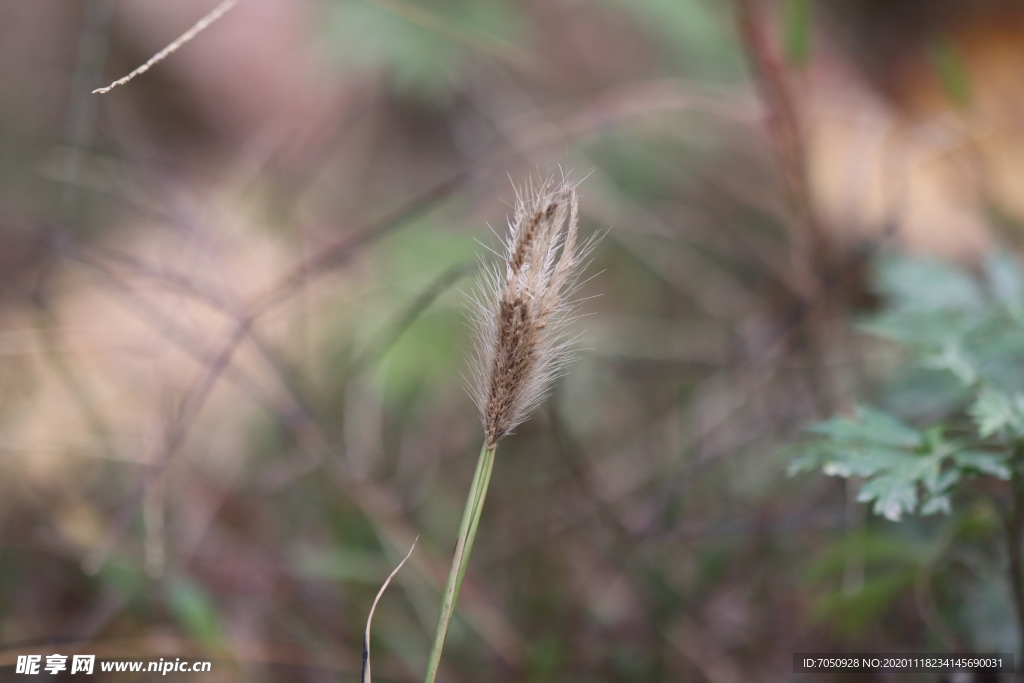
[[232, 329]]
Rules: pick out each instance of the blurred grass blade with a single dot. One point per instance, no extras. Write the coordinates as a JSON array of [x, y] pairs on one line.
[[197, 612], [369, 619], [797, 31], [951, 70], [467, 533], [506, 52]]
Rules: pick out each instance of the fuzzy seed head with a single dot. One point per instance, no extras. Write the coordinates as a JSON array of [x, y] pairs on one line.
[[523, 305]]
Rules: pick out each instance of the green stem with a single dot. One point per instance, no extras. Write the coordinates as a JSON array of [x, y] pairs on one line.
[[467, 532]]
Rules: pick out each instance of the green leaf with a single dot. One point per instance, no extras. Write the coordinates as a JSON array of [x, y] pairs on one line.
[[956, 360], [970, 328], [955, 323], [892, 494], [927, 285], [805, 458], [864, 461], [904, 470], [1006, 281], [996, 412], [941, 481], [983, 463], [935, 504], [921, 394], [922, 331], [870, 425]]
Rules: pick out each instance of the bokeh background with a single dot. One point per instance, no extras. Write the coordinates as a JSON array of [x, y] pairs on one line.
[[232, 329]]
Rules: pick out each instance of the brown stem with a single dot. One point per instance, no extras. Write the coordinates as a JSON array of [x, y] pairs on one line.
[[812, 248], [814, 267], [1014, 531]]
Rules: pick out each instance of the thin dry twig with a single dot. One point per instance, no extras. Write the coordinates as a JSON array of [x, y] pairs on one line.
[[200, 26], [369, 619]]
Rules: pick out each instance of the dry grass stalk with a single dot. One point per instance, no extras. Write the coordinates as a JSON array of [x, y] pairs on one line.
[[520, 317], [200, 26], [521, 312], [367, 675]]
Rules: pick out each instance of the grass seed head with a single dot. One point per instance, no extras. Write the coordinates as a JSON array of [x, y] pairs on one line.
[[524, 304]]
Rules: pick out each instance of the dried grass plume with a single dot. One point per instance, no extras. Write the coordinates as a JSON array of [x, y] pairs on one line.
[[522, 309]]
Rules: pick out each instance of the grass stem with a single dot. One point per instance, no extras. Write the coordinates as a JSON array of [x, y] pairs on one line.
[[467, 532]]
